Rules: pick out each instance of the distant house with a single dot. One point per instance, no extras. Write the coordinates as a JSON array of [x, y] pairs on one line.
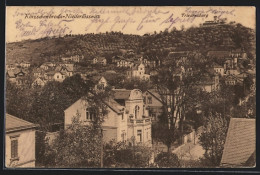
[[100, 82], [19, 143], [10, 66], [215, 22], [24, 64], [125, 63], [59, 76], [138, 71], [209, 82], [66, 70], [238, 53], [38, 72], [10, 75], [232, 72], [44, 67], [75, 58], [232, 80], [49, 76], [219, 54], [240, 145], [39, 82], [218, 69], [153, 103], [100, 60], [154, 62], [49, 64]]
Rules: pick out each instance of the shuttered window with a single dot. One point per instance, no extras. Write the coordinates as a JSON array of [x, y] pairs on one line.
[[14, 148]]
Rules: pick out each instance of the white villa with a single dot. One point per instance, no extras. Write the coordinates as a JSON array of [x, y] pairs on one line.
[[126, 120]]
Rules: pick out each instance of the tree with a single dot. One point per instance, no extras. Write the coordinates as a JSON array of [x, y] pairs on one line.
[[75, 147], [213, 137], [122, 155], [180, 94], [167, 160], [47, 107]]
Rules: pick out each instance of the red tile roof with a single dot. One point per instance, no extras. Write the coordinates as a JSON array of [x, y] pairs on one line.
[[240, 142], [13, 123]]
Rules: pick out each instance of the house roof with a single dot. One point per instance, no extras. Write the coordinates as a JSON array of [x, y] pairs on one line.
[[10, 74], [13, 123], [123, 94], [215, 65], [218, 53], [155, 94], [51, 73], [240, 142], [178, 54], [116, 107], [232, 78], [100, 59]]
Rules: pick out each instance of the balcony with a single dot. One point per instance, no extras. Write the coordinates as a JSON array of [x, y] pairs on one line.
[[143, 121]]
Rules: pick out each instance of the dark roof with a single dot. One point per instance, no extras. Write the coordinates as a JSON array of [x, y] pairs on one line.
[[215, 65], [116, 107], [155, 94], [240, 142], [178, 54], [218, 54], [13, 123], [122, 94]]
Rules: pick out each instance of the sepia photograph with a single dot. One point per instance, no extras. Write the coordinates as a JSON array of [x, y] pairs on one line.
[[130, 87]]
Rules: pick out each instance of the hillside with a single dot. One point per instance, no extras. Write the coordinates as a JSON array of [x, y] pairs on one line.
[[202, 39]]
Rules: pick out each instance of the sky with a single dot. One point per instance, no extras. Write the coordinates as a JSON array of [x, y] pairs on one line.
[[33, 22]]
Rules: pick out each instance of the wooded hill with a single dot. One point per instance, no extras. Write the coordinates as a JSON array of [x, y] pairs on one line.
[[201, 39]]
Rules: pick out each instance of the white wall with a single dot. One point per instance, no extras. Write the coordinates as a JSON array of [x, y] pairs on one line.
[[26, 148]]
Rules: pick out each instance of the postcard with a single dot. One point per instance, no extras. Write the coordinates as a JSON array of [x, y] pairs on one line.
[[130, 87]]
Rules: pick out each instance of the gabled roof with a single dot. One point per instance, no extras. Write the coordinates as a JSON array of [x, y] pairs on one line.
[[215, 65], [155, 94], [122, 94], [116, 107], [13, 123], [240, 142]]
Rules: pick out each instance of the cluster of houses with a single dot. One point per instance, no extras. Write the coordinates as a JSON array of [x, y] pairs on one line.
[[130, 112], [24, 73], [232, 70]]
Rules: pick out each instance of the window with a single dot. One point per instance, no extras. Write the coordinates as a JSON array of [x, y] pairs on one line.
[[122, 116], [144, 100], [90, 114], [87, 115], [123, 135], [137, 108], [139, 135], [149, 100], [14, 148], [57, 76]]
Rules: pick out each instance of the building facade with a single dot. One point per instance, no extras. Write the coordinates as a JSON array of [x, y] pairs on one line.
[[126, 118], [19, 143]]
